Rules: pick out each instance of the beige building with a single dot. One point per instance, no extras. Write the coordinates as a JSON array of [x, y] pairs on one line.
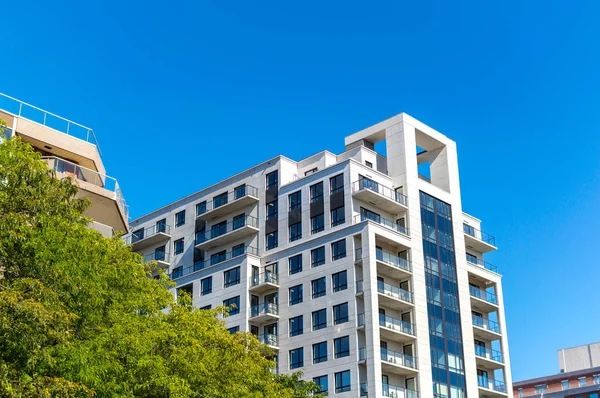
[[70, 149]]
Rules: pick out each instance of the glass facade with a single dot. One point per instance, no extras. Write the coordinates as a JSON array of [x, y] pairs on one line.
[[445, 334]]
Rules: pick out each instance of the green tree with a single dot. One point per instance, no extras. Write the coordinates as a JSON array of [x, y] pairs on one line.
[[80, 316]]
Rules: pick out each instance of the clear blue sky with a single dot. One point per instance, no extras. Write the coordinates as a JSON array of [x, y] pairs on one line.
[[186, 94]]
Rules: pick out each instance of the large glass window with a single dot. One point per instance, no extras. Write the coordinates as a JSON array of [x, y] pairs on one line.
[[338, 216], [272, 240], [340, 281], [338, 249], [161, 225], [295, 263], [295, 200], [239, 191], [178, 246], [336, 184], [323, 383], [295, 294], [342, 347], [232, 276], [234, 303], [297, 358], [218, 229], [340, 313], [160, 253], [206, 286], [296, 326], [137, 235], [319, 319], [272, 209], [342, 381], [239, 221], [295, 231], [272, 179], [317, 223], [220, 200], [316, 192], [201, 208], [319, 288], [317, 257], [320, 352], [218, 257], [180, 219], [238, 250]]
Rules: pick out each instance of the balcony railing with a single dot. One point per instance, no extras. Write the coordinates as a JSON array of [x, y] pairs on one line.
[[392, 391], [264, 277], [238, 193], [87, 175], [152, 230], [364, 390], [393, 291], [269, 339], [483, 295], [398, 358], [486, 324], [374, 186], [482, 263], [157, 256], [264, 309], [491, 384], [488, 353], [226, 228], [393, 260], [396, 324], [381, 221], [477, 234], [200, 265], [45, 118]]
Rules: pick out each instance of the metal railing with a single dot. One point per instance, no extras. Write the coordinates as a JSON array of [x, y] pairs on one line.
[[264, 309], [392, 391], [269, 339], [200, 265], [87, 175], [381, 221], [226, 228], [264, 277], [488, 353], [394, 291], [481, 263], [158, 256], [237, 193], [486, 324], [152, 230], [398, 358], [390, 259], [478, 234], [48, 119], [374, 186], [491, 384], [396, 324], [483, 295]]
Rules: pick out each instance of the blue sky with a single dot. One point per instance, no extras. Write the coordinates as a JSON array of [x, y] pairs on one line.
[[184, 94]]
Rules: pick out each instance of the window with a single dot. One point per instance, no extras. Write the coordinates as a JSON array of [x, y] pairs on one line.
[[338, 249], [187, 289], [336, 184], [272, 210], [232, 276], [220, 200], [540, 389], [316, 192], [317, 223], [218, 229], [318, 287], [520, 393], [340, 281], [295, 231], [238, 250], [297, 358], [272, 240], [342, 347], [320, 352], [177, 272], [296, 326], [161, 225], [564, 384], [295, 294], [295, 264], [295, 200], [337, 216], [340, 313], [596, 379], [206, 307], [311, 171], [469, 230], [179, 246], [180, 218], [272, 179], [218, 257], [368, 164], [319, 319], [160, 253], [239, 221], [137, 235], [342, 381], [201, 208], [582, 381], [206, 286], [239, 192], [233, 330], [322, 382], [234, 303], [317, 256]]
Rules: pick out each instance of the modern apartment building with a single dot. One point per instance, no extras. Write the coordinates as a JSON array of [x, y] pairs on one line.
[[359, 269], [71, 150]]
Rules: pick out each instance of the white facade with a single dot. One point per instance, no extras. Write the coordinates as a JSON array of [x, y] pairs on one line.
[[388, 350]]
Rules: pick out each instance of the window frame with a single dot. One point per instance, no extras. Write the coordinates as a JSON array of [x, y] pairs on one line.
[[273, 245], [177, 224], [322, 356], [227, 281], [337, 308], [336, 179], [300, 297], [297, 228], [320, 226], [343, 387], [335, 221], [236, 301], [341, 340], [300, 354], [319, 326], [316, 282], [295, 200], [204, 292], [272, 184], [340, 255], [298, 267], [314, 192], [299, 322], [320, 262], [317, 380], [337, 287], [177, 243]]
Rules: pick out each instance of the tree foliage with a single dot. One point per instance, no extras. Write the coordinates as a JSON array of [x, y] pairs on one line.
[[79, 315]]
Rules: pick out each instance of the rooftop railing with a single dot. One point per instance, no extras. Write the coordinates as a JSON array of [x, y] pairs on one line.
[[222, 200], [374, 186], [478, 234], [486, 324], [87, 175], [488, 353], [481, 263], [381, 221], [152, 230], [48, 119], [226, 228], [483, 295], [491, 384], [200, 265]]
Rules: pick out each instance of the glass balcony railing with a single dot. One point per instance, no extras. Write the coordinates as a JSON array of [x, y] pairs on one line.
[[393, 260], [358, 254], [265, 277], [364, 390], [483, 295], [269, 339], [398, 358], [157, 256], [374, 186], [396, 324], [388, 390], [395, 292], [89, 176], [360, 320], [491, 384], [215, 232], [362, 354], [477, 234], [152, 230], [264, 309], [221, 200], [381, 221], [486, 324], [481, 263], [200, 265], [488, 353]]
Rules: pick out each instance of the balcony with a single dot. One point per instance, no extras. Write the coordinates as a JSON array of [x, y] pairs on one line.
[[392, 328], [163, 259], [264, 282], [108, 204], [483, 264], [227, 233], [389, 225], [239, 198], [147, 237], [265, 312], [479, 240], [216, 260], [269, 339], [491, 388], [485, 329], [364, 389], [388, 390], [488, 358], [394, 297], [379, 195], [482, 300], [397, 363]]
